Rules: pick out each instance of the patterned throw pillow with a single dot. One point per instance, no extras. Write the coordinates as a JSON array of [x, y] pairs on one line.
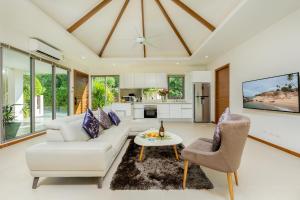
[[104, 119], [114, 118], [91, 124], [217, 135]]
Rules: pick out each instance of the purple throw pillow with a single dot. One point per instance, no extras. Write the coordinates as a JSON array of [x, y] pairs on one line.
[[114, 118], [91, 124], [217, 135], [104, 119]]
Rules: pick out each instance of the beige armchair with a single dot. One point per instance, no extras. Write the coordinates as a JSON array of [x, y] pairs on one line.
[[227, 159]]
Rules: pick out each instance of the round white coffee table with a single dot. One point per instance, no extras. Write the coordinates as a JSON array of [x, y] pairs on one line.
[[170, 139]]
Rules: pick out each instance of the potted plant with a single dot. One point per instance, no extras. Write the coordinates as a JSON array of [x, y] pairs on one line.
[[11, 127], [163, 93]]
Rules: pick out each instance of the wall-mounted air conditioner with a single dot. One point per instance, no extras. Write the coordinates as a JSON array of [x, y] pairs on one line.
[[41, 47]]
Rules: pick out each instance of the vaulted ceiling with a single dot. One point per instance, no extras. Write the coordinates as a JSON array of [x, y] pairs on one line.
[[139, 28]]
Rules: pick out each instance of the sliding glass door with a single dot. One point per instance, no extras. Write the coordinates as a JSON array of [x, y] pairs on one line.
[[15, 94], [43, 95], [62, 92], [32, 93]]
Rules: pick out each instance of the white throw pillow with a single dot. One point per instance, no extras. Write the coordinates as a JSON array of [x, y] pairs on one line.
[[73, 131]]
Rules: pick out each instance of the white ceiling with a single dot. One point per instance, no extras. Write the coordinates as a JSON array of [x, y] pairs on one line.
[[164, 42]]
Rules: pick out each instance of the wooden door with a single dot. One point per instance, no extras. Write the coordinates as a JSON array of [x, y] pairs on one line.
[[81, 92], [222, 90]]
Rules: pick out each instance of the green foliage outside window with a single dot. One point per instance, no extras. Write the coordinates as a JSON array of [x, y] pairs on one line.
[[43, 86], [105, 91], [176, 86]]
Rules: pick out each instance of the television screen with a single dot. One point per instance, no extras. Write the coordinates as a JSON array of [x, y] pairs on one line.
[[279, 93]]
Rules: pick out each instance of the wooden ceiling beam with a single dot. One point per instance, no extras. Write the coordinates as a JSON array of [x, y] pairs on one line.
[[173, 27], [143, 26], [114, 27], [88, 15], [195, 15]]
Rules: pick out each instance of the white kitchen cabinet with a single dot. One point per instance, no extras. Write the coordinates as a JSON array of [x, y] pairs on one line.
[[161, 80], [123, 109], [186, 111], [127, 80], [175, 111], [138, 113], [163, 111], [201, 76], [150, 80], [139, 80]]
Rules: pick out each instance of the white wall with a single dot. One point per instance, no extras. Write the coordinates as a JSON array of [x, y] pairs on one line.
[[275, 51]]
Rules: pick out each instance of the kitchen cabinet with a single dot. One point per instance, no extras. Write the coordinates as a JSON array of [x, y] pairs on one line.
[[143, 80], [186, 111], [139, 80], [150, 80], [161, 80], [175, 111], [138, 113], [127, 81], [163, 111], [201, 76]]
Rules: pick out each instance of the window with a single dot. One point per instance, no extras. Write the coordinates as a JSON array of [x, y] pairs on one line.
[[176, 86], [105, 90]]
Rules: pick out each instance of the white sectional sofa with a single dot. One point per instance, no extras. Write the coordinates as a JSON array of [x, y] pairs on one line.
[[68, 151]]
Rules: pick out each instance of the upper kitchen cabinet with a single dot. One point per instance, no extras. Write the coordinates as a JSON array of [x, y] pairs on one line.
[[143, 80], [127, 81], [201, 76], [150, 80], [161, 80]]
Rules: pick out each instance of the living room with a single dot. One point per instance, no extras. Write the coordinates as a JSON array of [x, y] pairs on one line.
[[165, 99]]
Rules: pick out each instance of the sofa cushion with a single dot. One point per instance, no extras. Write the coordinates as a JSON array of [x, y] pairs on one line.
[[58, 123], [54, 136], [116, 136], [91, 124], [104, 119], [216, 143], [73, 131], [114, 118]]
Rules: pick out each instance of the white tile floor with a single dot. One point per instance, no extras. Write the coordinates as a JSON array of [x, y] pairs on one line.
[[265, 173]]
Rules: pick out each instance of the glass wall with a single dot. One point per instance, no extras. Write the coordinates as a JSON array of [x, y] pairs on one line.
[[62, 92], [49, 98], [16, 94], [105, 90], [43, 94]]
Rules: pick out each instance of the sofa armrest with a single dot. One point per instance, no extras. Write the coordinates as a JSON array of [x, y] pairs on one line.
[[67, 156]]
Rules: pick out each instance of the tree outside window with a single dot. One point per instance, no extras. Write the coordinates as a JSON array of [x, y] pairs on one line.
[[105, 90], [176, 86]]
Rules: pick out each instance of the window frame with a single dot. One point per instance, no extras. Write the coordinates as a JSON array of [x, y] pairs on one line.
[[182, 76]]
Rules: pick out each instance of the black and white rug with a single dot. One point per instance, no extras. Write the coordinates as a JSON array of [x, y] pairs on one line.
[[159, 170]]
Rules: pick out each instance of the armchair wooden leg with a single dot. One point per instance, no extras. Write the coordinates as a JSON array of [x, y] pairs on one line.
[[236, 178], [229, 179], [35, 182], [186, 167]]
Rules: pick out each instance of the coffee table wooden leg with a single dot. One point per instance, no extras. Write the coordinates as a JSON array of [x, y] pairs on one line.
[[141, 153], [176, 153]]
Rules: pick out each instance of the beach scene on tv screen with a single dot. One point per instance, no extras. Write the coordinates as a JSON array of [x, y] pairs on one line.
[[277, 93]]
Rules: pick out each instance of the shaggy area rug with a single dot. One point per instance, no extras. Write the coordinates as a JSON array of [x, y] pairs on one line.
[[159, 170]]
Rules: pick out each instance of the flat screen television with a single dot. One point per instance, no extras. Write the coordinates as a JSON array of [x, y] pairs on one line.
[[278, 93]]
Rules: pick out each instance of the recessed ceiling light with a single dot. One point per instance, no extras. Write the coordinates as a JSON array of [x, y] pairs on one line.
[[206, 56], [177, 63], [83, 57]]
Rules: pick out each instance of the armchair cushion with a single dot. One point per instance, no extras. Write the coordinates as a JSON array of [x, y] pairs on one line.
[[217, 135]]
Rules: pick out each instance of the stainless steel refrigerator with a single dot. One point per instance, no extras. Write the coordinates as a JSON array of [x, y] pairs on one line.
[[202, 102]]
